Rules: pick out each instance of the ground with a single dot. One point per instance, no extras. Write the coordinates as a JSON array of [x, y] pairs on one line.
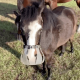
[[66, 67]]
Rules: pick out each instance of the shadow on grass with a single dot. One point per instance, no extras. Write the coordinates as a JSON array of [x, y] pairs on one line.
[[6, 9], [8, 31], [7, 34]]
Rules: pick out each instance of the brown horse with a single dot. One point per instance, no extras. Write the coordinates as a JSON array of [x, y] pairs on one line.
[[78, 3], [52, 3], [47, 28]]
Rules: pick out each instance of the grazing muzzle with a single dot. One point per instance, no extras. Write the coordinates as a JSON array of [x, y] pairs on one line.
[[36, 58]]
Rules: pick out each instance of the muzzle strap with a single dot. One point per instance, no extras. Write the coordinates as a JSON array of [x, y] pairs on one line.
[[29, 59], [32, 46]]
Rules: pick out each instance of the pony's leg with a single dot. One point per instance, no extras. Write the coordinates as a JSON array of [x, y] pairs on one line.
[[72, 49], [44, 69], [48, 59], [48, 68], [62, 49]]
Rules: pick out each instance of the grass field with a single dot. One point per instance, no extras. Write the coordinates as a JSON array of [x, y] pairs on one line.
[[66, 67]]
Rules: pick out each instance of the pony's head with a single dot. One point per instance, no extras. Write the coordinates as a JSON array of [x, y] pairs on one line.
[[31, 26]]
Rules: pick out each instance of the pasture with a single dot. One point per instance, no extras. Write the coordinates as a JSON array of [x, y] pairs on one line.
[[66, 67]]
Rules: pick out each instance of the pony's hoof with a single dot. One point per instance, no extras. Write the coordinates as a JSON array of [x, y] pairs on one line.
[[49, 78], [72, 51], [61, 54], [43, 73], [18, 39]]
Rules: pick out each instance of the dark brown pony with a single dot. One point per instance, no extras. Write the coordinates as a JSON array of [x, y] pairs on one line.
[[49, 29]]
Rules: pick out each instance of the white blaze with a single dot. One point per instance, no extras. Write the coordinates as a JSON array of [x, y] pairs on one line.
[[33, 27]]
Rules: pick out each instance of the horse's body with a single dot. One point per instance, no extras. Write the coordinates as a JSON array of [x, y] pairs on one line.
[[52, 3], [49, 29], [78, 3]]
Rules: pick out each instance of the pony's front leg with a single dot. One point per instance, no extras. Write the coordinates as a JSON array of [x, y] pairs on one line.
[[49, 58], [44, 69]]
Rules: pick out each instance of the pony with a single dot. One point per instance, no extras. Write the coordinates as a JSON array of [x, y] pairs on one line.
[[47, 28]]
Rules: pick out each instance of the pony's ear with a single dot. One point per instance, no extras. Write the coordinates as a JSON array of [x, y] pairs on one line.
[[16, 13], [35, 4], [41, 6]]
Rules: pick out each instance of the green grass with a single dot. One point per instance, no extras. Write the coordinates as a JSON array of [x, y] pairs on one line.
[[66, 67], [69, 4]]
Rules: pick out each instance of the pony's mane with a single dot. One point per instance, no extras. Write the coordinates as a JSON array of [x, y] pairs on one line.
[[49, 18], [30, 12]]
